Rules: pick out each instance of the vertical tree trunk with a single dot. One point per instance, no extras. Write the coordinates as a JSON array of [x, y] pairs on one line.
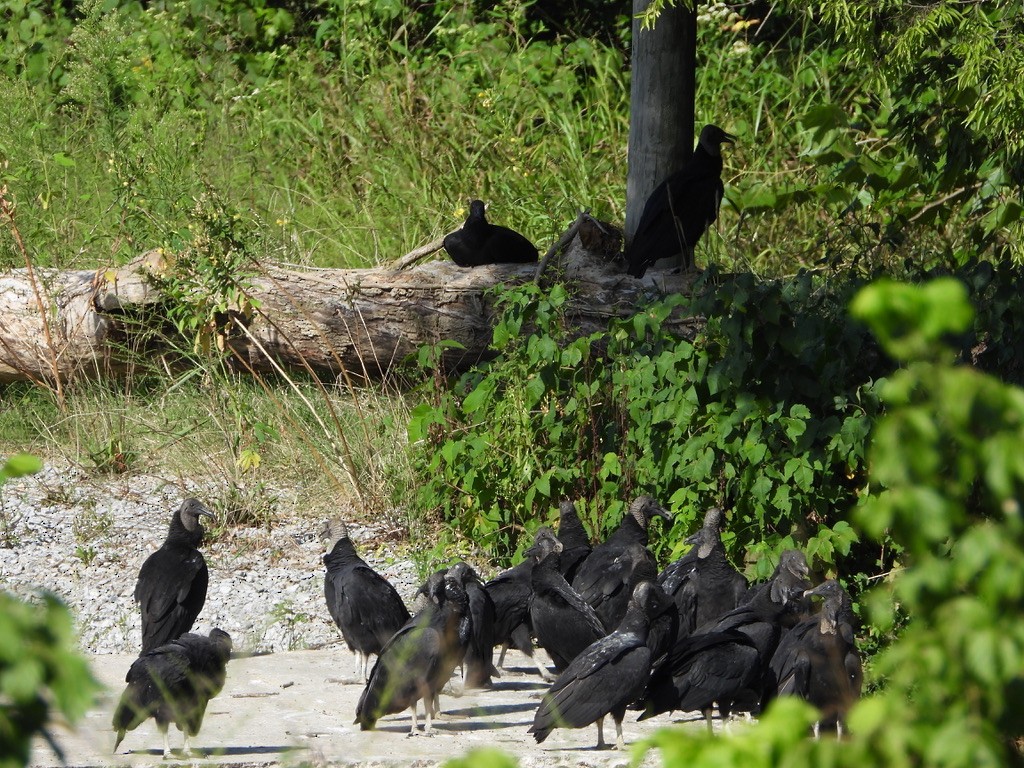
[[661, 110]]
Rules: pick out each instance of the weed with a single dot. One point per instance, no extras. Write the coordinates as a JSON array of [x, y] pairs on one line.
[[291, 621], [85, 553], [90, 525]]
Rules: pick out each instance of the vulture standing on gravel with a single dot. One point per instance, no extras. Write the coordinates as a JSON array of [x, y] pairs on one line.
[[682, 207], [609, 594], [702, 582], [575, 542], [420, 658], [173, 684], [480, 242], [604, 679], [510, 591], [563, 622], [478, 663], [818, 660], [632, 530], [172, 582], [363, 604], [727, 662]]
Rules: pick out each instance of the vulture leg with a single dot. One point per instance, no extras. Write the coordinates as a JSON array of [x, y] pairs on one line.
[[188, 746], [167, 742], [600, 733], [817, 730], [708, 713], [428, 716], [501, 656], [620, 742], [412, 730], [543, 670]]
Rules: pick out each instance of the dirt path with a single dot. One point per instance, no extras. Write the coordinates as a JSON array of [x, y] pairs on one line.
[[298, 707]]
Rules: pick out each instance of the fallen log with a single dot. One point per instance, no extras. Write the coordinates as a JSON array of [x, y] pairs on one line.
[[329, 322]]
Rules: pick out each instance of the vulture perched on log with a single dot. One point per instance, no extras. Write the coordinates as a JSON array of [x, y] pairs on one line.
[[173, 684], [682, 207], [364, 605], [818, 660], [480, 242], [604, 679], [171, 589]]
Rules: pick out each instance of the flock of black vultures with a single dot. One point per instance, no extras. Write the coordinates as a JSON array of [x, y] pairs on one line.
[[621, 634]]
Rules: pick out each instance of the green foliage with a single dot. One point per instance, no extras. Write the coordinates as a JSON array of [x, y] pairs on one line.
[[39, 669], [352, 131], [208, 274], [934, 146], [947, 482], [948, 479], [766, 412]]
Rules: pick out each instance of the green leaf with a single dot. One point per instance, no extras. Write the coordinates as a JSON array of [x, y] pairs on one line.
[[480, 395], [20, 464]]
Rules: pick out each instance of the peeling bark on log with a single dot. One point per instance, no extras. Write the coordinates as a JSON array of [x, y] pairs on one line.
[[357, 321]]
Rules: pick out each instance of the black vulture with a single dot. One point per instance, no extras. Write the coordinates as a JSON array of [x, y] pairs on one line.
[[818, 660], [563, 622], [575, 542], [664, 622], [610, 591], [632, 530], [703, 669], [702, 582], [173, 684], [478, 663], [682, 207], [510, 591], [420, 658], [480, 242], [786, 587], [727, 662], [604, 679], [363, 604], [172, 582]]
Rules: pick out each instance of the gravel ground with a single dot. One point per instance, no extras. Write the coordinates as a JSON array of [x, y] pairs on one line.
[[85, 538]]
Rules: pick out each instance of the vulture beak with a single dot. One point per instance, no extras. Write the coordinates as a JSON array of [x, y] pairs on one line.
[[819, 591], [663, 513], [728, 137]]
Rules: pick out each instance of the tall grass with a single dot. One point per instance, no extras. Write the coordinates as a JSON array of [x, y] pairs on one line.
[[347, 147], [257, 453]]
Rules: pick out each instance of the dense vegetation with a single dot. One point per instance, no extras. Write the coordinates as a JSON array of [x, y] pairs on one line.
[[346, 132]]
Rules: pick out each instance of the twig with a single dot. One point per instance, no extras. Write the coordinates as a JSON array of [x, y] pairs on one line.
[[346, 456], [942, 201], [563, 241], [7, 208], [418, 254]]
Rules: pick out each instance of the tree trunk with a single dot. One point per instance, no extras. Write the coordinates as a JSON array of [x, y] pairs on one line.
[[356, 322], [661, 103]]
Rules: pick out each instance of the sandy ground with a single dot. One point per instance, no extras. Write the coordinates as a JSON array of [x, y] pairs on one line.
[[297, 708]]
